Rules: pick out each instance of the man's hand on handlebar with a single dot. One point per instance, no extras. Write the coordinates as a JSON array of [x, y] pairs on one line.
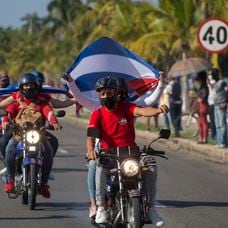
[[56, 126]]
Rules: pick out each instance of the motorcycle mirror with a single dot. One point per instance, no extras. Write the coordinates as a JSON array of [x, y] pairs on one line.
[[164, 133], [60, 113]]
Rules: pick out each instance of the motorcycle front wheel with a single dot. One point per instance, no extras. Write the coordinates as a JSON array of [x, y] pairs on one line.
[[32, 189], [134, 213]]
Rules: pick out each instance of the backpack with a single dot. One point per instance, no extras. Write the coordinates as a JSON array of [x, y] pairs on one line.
[[28, 113]]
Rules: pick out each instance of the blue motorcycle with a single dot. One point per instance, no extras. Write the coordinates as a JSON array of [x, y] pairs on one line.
[[29, 161]]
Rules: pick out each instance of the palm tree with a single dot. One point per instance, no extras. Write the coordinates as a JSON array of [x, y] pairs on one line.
[[62, 12], [32, 22]]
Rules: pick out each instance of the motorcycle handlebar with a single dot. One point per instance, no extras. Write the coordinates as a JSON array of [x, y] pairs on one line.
[[157, 152]]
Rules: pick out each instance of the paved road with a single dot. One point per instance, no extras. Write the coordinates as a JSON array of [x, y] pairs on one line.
[[192, 193]]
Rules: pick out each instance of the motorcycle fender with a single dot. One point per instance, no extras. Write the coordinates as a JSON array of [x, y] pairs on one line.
[[134, 193]]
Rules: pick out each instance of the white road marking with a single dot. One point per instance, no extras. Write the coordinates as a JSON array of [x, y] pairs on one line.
[[62, 151], [3, 171], [159, 205]]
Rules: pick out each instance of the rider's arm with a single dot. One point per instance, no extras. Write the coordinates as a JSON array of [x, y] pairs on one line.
[[12, 113], [93, 132], [152, 98], [62, 104], [91, 154], [6, 102], [49, 115], [149, 111], [155, 96]]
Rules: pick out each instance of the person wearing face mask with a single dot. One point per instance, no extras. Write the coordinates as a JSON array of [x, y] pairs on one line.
[[174, 92], [220, 108], [4, 83], [113, 124], [29, 91], [211, 83], [54, 103]]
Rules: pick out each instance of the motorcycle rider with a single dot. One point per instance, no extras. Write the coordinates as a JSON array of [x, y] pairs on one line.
[[113, 123], [4, 83], [29, 91], [55, 103], [4, 80]]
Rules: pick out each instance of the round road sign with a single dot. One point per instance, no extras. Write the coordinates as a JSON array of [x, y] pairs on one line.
[[213, 35]]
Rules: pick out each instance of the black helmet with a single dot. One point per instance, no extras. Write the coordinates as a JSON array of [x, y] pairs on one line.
[[106, 82], [39, 76], [122, 85], [27, 78]]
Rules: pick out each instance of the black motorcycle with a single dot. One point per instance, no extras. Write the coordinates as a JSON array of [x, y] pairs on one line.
[[127, 204]]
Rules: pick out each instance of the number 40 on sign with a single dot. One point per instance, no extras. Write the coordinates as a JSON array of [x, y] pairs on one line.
[[213, 35]]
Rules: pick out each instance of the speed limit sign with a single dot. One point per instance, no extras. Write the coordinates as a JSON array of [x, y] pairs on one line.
[[213, 35]]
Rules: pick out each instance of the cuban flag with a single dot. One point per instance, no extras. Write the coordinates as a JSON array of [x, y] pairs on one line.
[[105, 57]]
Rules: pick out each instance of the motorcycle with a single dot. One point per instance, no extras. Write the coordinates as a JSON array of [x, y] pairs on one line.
[[29, 161], [127, 204]]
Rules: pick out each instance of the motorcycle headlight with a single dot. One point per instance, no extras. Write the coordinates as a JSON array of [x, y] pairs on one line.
[[129, 167], [32, 137]]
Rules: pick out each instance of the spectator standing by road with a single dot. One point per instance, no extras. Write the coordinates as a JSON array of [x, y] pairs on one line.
[[211, 83], [175, 103], [202, 92], [220, 109]]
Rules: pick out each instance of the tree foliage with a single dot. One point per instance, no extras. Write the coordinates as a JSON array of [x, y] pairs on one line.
[[160, 34]]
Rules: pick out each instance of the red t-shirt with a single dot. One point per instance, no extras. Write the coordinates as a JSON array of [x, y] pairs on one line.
[[116, 127], [44, 107]]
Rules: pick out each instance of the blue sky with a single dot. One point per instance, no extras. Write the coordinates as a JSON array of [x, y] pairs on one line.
[[11, 11]]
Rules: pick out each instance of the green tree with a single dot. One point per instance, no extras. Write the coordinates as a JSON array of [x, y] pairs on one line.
[[32, 23]]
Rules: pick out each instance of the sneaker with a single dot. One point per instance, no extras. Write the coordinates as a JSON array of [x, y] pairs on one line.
[[9, 187], [92, 211], [221, 146], [155, 218], [51, 176], [44, 191], [101, 215], [3, 171]]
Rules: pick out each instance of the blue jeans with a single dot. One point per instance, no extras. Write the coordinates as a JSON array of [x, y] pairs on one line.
[[175, 111], [91, 178], [149, 184], [10, 159], [221, 125], [166, 122]]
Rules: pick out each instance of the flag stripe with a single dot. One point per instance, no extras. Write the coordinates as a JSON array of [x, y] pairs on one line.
[[112, 63], [107, 46], [103, 58]]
